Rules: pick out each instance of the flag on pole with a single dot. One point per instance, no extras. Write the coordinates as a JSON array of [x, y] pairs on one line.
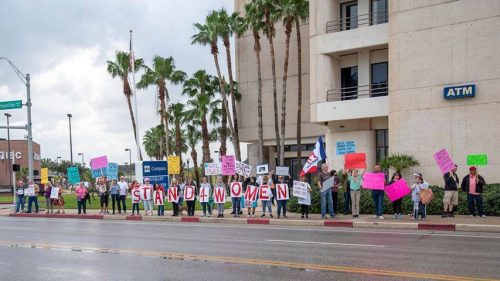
[[314, 158]]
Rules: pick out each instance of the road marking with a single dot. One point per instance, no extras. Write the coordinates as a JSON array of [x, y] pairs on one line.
[[244, 261], [15, 227], [326, 243]]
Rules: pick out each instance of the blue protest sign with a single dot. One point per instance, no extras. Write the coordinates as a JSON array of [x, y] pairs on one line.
[[99, 173], [345, 147], [112, 171], [156, 171], [73, 175]]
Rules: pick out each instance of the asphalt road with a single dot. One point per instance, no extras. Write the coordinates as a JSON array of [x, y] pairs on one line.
[[66, 249]]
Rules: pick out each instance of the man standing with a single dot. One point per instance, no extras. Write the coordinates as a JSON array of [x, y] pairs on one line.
[[378, 197], [114, 190], [450, 198], [20, 196], [123, 195], [327, 194], [32, 193], [473, 184]]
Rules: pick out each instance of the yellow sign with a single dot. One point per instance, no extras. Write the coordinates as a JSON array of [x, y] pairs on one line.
[[44, 174], [174, 165]]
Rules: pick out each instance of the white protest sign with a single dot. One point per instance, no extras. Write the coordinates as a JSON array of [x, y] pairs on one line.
[[262, 169], [136, 195], [145, 192], [265, 192], [172, 197], [327, 184], [220, 195], [212, 169], [30, 191], [54, 194], [282, 171], [204, 192], [158, 198], [300, 189], [251, 193], [243, 169], [282, 192], [305, 201], [189, 193], [236, 189]]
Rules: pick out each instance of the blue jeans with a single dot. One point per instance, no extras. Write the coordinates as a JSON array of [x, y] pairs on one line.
[[161, 210], [282, 206], [479, 202], [347, 203], [378, 199], [122, 198], [326, 195], [236, 205], [32, 199], [82, 204], [266, 203], [422, 210], [20, 203], [206, 206]]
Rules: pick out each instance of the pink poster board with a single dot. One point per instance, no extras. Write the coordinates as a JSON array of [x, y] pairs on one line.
[[99, 162], [374, 181], [444, 161], [397, 190], [228, 165]]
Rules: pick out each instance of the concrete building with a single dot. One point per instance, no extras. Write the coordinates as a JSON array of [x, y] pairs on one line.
[[18, 155], [379, 77]]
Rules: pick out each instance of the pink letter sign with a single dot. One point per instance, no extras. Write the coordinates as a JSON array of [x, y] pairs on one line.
[[220, 195], [397, 190], [99, 162], [251, 193], [189, 193], [282, 192], [236, 189], [444, 161], [228, 165], [374, 181]]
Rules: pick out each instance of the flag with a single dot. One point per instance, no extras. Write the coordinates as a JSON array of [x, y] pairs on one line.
[[317, 155]]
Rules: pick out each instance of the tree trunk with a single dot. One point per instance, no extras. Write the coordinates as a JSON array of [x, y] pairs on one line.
[[223, 135], [236, 137], [259, 97], [299, 97], [165, 117], [205, 139], [163, 113], [288, 31], [273, 71], [178, 143], [194, 156], [128, 93]]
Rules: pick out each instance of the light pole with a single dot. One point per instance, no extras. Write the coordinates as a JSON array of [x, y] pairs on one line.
[[83, 160], [57, 160], [10, 159], [188, 169], [129, 164], [70, 139]]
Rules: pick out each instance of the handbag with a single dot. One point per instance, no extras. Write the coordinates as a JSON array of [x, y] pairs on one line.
[[426, 196]]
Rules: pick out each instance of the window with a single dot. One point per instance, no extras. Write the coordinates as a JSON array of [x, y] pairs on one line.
[[378, 12], [349, 15], [382, 144], [379, 77], [349, 83]]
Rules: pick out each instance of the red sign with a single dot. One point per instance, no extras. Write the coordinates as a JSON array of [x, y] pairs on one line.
[[355, 161]]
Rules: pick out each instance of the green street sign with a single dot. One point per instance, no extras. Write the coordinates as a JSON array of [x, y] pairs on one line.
[[13, 104], [477, 160]]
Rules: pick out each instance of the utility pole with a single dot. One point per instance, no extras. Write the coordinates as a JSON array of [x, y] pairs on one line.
[[70, 139]]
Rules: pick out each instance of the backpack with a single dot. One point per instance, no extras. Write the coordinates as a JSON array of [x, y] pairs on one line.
[[426, 196]]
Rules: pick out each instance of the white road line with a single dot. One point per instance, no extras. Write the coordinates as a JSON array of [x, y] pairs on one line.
[[325, 243], [14, 227]]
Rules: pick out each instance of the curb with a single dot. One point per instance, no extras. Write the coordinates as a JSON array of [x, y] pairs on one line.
[[477, 227], [133, 218], [57, 216], [385, 225], [257, 221], [338, 223], [440, 227], [190, 219]]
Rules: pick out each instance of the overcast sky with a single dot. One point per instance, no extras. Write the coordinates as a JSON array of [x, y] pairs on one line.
[[65, 44]]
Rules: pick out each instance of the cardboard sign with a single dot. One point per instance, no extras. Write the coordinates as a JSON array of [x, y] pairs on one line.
[[54, 193], [97, 173], [146, 192], [44, 175], [345, 147], [397, 190], [236, 189], [220, 195], [282, 171], [172, 197], [99, 162], [327, 184], [251, 193], [282, 192], [228, 165], [212, 169], [112, 171], [136, 195], [262, 169], [204, 192], [158, 198], [265, 192], [189, 193], [300, 189], [73, 175], [477, 160], [30, 191], [174, 165], [355, 161], [374, 181], [243, 169], [443, 160]]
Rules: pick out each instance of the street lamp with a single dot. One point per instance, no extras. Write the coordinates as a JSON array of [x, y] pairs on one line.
[[57, 160], [70, 139], [129, 164], [8, 115], [83, 161]]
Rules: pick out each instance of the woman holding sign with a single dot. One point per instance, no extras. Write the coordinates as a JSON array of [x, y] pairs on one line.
[[397, 205], [136, 197], [147, 197], [266, 195], [355, 185], [220, 186], [103, 195], [235, 200], [205, 194], [305, 202], [190, 196], [59, 202], [248, 186], [282, 192]]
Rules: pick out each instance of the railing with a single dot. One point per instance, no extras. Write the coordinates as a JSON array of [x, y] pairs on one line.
[[352, 93], [347, 23]]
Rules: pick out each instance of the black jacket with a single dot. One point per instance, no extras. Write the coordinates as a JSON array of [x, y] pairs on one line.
[[451, 182], [479, 184]]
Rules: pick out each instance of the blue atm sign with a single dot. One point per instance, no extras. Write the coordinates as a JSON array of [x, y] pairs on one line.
[[156, 171], [455, 92]]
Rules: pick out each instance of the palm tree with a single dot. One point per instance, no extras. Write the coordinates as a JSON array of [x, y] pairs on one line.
[[163, 70], [151, 142], [254, 20], [121, 68], [193, 137], [399, 162], [176, 110]]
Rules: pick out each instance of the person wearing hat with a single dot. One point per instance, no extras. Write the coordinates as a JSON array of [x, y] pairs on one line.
[[418, 207], [450, 198], [473, 184], [147, 196]]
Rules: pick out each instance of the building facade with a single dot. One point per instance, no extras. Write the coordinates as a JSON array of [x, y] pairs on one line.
[[18, 155]]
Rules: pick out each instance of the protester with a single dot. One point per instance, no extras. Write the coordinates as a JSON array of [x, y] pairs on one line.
[[147, 192], [250, 181], [305, 202], [220, 206], [206, 205], [282, 203], [234, 200], [378, 197], [450, 198], [266, 180], [103, 195], [33, 196], [273, 178], [159, 188], [122, 184], [355, 186], [114, 190], [20, 196], [473, 184], [335, 191], [48, 201], [135, 206], [81, 193], [397, 205], [182, 184], [192, 203], [346, 184], [175, 205], [419, 208], [326, 195], [59, 202]]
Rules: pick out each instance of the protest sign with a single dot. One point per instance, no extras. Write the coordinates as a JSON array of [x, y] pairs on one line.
[[228, 165], [262, 169], [174, 165], [99, 162], [300, 189], [375, 181], [99, 173], [355, 161], [136, 196], [112, 171], [236, 189], [327, 184], [251, 193], [158, 198], [397, 190], [73, 175], [54, 193], [282, 171], [172, 197], [265, 192], [204, 192], [220, 195], [212, 169], [444, 161], [477, 160], [282, 192], [44, 175], [243, 169], [345, 147], [146, 192], [30, 191], [189, 193]]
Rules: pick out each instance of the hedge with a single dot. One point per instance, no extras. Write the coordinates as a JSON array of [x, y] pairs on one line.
[[491, 202]]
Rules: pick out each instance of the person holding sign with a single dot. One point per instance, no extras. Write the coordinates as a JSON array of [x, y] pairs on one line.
[[283, 194], [122, 184], [59, 201], [136, 197], [378, 196], [81, 193], [326, 191], [236, 190], [115, 191], [265, 195], [173, 194], [205, 194], [20, 196], [355, 185], [190, 196], [397, 205], [103, 195], [249, 188], [473, 184], [147, 197], [306, 201], [419, 208], [32, 194], [450, 198], [159, 191], [48, 201], [220, 196]]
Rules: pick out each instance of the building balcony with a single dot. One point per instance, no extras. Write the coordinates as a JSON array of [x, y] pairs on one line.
[[348, 23]]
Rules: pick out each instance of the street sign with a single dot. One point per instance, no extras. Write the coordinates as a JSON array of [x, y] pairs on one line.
[[13, 104], [156, 171]]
